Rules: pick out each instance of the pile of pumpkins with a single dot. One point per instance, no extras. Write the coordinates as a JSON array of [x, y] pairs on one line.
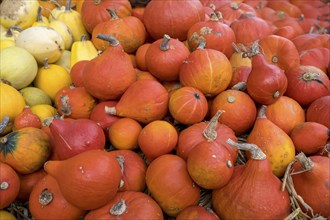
[[190, 109]]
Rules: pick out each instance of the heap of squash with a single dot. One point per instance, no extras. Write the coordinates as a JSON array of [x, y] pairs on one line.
[[191, 109]]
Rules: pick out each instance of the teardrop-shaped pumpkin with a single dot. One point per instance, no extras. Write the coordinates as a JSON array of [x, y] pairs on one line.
[[88, 180], [109, 75], [144, 101]]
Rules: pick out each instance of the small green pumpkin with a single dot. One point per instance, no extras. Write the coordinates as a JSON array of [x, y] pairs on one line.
[[26, 150]]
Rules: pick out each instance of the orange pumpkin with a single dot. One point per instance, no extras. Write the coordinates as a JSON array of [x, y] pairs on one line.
[[133, 169], [232, 10], [74, 102], [318, 111], [128, 205], [157, 138], [140, 56], [25, 150], [9, 185], [172, 198], [123, 133], [195, 212], [188, 105], [46, 201], [240, 110], [26, 119]]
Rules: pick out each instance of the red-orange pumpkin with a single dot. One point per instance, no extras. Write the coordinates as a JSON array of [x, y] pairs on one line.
[[172, 198], [232, 10], [318, 111], [9, 185], [196, 212], [26, 119], [318, 57], [188, 105], [172, 17]]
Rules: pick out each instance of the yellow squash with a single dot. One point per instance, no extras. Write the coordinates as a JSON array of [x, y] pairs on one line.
[[82, 50], [21, 13], [8, 37], [41, 20]]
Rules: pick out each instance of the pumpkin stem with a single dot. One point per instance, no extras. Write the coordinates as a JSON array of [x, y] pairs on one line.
[[305, 162], [46, 64], [256, 152], [4, 123], [234, 6], [201, 43], [209, 132], [45, 197], [97, 2], [65, 105], [219, 15], [113, 14], [83, 37], [240, 86], [312, 76], [231, 99], [9, 32], [68, 6], [4, 185], [276, 94], [112, 40], [121, 161], [212, 6], [110, 110], [262, 112], [213, 17], [119, 208], [39, 15], [164, 45]]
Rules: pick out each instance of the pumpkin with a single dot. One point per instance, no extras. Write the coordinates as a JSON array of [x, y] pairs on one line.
[[104, 84], [133, 169], [77, 174], [197, 212], [306, 84], [25, 14], [273, 141], [157, 138], [46, 199], [128, 30], [94, 12], [183, 14], [18, 66], [198, 132], [287, 32], [289, 8], [207, 70], [164, 57], [311, 40], [26, 119], [241, 200], [188, 105], [76, 73], [123, 133], [74, 136], [128, 205], [286, 113], [218, 35], [26, 150], [9, 185], [239, 109], [318, 57], [282, 19], [309, 137], [44, 111], [231, 11], [144, 100], [318, 111], [280, 52], [310, 178], [240, 76], [12, 104], [249, 28], [172, 198], [51, 78], [74, 102], [28, 181], [140, 56]]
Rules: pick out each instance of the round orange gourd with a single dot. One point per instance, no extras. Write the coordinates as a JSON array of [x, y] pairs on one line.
[[188, 105], [28, 181], [157, 138], [286, 113], [9, 185], [47, 202], [123, 133], [318, 111], [207, 70], [239, 109], [74, 102], [27, 119], [25, 150], [171, 197], [87, 180], [140, 56], [196, 212]]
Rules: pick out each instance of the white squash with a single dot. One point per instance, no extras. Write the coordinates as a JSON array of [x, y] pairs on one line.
[[21, 13], [18, 67], [64, 31], [42, 42]]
